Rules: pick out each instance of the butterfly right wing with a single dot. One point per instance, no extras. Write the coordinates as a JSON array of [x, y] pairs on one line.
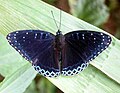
[[82, 47], [37, 47]]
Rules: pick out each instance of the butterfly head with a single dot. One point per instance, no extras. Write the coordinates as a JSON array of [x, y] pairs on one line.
[[58, 32]]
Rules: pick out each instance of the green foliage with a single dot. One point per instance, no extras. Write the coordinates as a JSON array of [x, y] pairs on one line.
[[32, 88], [92, 11], [102, 76], [46, 87], [50, 1]]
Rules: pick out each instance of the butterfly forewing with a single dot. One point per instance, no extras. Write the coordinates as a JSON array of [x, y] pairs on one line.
[[37, 47], [82, 47]]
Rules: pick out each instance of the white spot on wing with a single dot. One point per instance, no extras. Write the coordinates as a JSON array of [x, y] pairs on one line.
[[27, 33], [101, 49], [101, 33], [77, 36], [41, 34], [9, 41], [14, 34], [72, 35], [9, 34], [109, 40], [23, 37], [22, 55], [8, 37], [95, 56], [36, 35], [15, 41], [105, 46], [46, 35], [98, 45], [15, 47], [98, 52], [91, 34], [11, 44], [94, 38], [83, 37]]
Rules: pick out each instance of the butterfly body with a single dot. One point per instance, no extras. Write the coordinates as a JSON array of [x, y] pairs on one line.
[[59, 49], [54, 55]]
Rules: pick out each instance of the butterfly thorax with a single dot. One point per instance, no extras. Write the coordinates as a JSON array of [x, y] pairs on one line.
[[58, 48], [59, 41]]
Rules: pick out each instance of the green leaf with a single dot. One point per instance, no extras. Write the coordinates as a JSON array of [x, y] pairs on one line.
[[45, 86], [49, 1], [18, 81], [102, 75], [91, 11], [18, 73], [10, 60], [32, 88]]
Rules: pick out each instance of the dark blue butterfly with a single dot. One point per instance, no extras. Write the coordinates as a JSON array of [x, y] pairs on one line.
[[52, 55]]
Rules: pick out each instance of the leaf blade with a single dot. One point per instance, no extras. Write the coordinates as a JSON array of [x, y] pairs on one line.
[[24, 19]]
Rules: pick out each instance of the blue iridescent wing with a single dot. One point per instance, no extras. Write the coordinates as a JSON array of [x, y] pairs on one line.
[[37, 47], [81, 48]]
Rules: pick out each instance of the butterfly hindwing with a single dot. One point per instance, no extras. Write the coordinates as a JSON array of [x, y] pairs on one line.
[[81, 48], [37, 47]]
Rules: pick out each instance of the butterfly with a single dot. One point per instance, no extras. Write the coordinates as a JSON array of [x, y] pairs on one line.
[[53, 55]]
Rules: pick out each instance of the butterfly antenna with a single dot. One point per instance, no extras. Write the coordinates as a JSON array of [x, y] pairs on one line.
[[54, 20], [60, 19]]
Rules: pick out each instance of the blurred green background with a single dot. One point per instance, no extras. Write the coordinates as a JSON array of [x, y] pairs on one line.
[[104, 14]]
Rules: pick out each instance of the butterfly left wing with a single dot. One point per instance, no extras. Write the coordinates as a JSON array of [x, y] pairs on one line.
[[82, 47], [37, 47]]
